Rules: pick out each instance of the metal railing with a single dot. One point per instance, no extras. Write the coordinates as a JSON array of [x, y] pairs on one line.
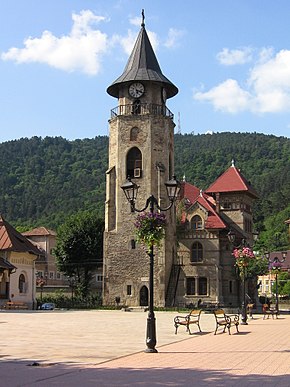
[[141, 109]]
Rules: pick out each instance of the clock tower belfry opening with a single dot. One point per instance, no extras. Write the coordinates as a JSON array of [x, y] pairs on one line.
[[141, 145]]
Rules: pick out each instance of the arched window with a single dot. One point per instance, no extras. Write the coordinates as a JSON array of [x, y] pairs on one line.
[[134, 134], [196, 222], [134, 163], [136, 108], [197, 252], [21, 284]]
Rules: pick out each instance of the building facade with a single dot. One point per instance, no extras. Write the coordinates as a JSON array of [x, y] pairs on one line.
[[204, 271], [140, 146], [17, 266]]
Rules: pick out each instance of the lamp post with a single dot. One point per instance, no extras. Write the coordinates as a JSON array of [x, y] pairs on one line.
[[242, 264], [131, 190], [275, 267]]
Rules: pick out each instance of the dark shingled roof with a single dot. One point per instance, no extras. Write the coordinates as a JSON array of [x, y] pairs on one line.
[[142, 66], [6, 265]]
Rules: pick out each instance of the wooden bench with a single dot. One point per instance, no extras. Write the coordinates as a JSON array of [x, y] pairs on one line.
[[267, 311], [225, 320], [192, 318], [15, 305]]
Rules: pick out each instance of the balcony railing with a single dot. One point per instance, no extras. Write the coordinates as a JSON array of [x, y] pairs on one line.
[[141, 109]]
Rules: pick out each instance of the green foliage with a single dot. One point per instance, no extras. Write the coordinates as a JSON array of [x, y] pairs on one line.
[[43, 180], [256, 267], [283, 284], [79, 248]]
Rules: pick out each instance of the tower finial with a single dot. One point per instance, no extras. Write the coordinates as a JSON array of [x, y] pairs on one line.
[[233, 162], [143, 18]]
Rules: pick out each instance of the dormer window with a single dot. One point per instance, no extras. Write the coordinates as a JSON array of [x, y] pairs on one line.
[[196, 223]]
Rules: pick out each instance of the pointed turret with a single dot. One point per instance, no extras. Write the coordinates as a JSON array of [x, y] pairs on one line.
[[142, 66]]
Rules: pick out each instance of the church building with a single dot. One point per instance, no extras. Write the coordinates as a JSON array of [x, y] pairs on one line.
[[140, 146]]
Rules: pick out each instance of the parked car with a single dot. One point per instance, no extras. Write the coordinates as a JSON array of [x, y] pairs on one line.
[[48, 306]]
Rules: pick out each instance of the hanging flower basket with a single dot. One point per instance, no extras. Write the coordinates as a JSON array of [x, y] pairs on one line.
[[150, 228], [243, 256], [275, 267]]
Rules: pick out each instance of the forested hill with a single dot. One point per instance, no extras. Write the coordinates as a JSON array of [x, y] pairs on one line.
[[42, 180]]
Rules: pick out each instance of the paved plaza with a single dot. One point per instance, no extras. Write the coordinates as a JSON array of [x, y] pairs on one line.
[[106, 348]]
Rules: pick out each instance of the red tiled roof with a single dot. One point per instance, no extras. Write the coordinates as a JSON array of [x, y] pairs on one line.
[[194, 195], [39, 231], [213, 219], [12, 240], [189, 191], [231, 180]]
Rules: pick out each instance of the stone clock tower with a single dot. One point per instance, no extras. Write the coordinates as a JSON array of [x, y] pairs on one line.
[[140, 146]]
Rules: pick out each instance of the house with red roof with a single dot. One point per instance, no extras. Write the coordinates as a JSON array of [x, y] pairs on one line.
[[17, 266], [204, 271]]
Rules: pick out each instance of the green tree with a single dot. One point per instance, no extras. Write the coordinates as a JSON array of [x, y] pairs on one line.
[[79, 248], [256, 267], [284, 284]]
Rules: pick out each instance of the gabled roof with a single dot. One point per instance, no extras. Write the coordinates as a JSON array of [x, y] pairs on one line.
[[12, 240], [188, 191], [213, 219], [232, 180], [195, 196], [142, 66], [39, 231]]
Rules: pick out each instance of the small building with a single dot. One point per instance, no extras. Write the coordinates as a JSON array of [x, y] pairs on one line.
[[48, 278], [17, 266]]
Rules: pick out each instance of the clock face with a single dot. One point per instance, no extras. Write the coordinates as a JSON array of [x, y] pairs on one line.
[[136, 89], [164, 95]]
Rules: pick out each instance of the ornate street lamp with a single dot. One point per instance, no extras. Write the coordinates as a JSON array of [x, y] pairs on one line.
[[275, 266], [130, 190], [242, 253]]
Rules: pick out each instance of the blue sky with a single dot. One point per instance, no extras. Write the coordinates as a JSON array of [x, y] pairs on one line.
[[229, 59]]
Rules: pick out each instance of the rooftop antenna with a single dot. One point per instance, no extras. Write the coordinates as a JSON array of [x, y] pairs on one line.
[[179, 125]]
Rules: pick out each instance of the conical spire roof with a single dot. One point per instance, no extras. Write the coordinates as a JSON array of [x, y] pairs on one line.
[[142, 66]]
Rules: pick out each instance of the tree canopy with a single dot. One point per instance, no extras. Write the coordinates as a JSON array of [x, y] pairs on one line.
[[79, 248], [44, 180]]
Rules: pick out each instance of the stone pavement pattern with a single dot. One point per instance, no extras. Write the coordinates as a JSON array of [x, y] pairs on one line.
[[105, 348]]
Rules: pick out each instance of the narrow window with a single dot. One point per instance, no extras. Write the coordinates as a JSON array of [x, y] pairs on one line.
[[190, 286], [133, 244], [197, 252], [21, 284], [129, 290], [134, 134], [230, 286], [136, 108], [202, 286]]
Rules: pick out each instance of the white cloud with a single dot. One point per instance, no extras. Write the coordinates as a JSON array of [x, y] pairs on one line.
[[267, 88], [80, 50], [228, 96], [233, 57], [173, 38]]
